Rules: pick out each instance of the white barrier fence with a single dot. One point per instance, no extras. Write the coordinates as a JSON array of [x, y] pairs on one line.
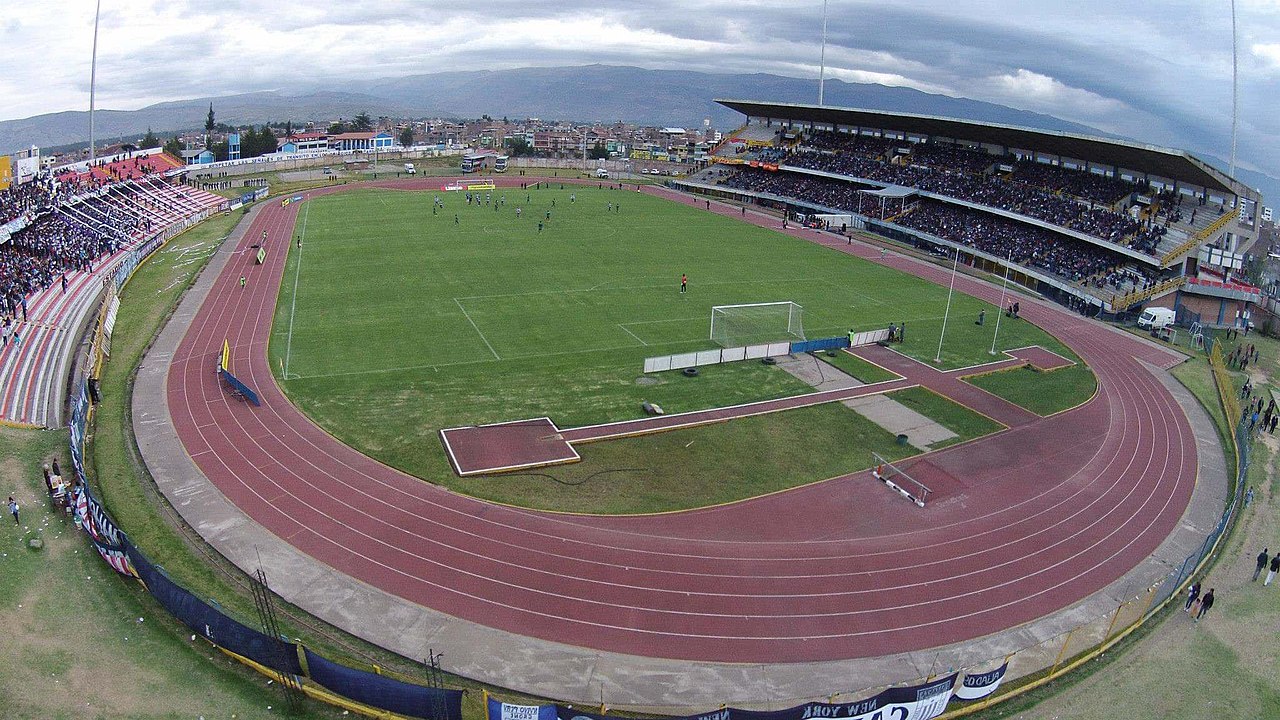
[[715, 357], [752, 352]]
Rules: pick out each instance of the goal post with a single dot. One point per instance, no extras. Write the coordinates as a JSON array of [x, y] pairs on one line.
[[755, 323]]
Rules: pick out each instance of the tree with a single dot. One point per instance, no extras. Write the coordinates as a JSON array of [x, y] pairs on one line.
[[337, 128], [288, 129], [219, 150], [517, 146], [208, 125], [149, 141], [266, 141], [406, 136], [598, 151], [173, 146], [362, 122]]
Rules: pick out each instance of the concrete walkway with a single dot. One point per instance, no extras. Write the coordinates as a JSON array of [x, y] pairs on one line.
[[889, 414]]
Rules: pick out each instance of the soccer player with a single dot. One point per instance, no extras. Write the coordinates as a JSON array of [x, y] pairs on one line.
[[684, 282], [242, 281]]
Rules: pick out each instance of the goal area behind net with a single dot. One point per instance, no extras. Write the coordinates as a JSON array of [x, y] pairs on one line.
[[756, 323]]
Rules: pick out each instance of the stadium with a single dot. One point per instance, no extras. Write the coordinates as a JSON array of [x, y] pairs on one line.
[[850, 419]]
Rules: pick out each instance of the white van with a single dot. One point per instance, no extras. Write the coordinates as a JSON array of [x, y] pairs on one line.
[[410, 169], [602, 173], [1155, 318]]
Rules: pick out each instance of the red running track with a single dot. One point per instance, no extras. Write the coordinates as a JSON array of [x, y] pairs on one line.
[[1021, 524]]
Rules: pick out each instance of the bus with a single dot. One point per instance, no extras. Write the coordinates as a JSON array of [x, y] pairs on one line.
[[474, 162], [500, 163]]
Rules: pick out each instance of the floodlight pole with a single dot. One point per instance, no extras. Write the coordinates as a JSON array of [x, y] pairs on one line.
[[1000, 310], [822, 55], [947, 313], [93, 75]]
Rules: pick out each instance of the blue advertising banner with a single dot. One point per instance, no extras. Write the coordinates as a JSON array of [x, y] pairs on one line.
[[385, 693]]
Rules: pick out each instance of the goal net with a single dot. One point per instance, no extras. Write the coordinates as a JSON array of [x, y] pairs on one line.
[[755, 323]]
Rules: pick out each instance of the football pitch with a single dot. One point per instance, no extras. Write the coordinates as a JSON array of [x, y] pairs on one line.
[[398, 316]]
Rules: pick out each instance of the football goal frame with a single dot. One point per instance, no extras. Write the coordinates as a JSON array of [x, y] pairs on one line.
[[748, 320]]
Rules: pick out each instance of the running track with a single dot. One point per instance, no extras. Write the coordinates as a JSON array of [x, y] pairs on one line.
[[1021, 524]]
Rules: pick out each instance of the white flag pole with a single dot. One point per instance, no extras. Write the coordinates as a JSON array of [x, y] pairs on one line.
[[947, 313], [1003, 288]]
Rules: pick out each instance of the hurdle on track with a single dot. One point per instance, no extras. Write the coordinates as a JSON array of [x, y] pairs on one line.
[[905, 485]]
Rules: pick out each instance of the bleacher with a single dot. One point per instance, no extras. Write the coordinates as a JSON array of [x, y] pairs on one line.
[[1092, 269], [1073, 199], [60, 263]]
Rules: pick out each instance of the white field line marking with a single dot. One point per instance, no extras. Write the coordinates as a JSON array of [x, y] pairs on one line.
[[637, 337], [667, 320], [437, 366], [293, 301], [477, 329], [673, 285]]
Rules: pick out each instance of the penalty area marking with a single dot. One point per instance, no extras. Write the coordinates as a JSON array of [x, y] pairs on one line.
[[477, 329], [637, 337]]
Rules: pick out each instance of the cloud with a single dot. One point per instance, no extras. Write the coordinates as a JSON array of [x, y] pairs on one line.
[[1142, 74]]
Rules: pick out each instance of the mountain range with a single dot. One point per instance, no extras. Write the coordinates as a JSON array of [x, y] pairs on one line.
[[590, 93]]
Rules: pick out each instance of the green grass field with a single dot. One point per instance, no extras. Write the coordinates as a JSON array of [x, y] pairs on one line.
[[394, 321]]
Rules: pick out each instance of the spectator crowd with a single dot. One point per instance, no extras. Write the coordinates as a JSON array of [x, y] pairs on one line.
[[58, 236], [1075, 199], [1061, 255]]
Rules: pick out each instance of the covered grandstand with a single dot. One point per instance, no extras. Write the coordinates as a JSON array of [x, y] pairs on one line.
[[1102, 223]]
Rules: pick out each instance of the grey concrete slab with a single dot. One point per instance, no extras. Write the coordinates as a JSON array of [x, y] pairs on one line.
[[921, 431], [886, 412]]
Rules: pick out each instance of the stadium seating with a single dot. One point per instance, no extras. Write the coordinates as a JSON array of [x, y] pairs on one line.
[[67, 240], [1075, 199], [1092, 267]]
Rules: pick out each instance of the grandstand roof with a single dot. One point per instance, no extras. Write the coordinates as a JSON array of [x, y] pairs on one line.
[[1157, 161]]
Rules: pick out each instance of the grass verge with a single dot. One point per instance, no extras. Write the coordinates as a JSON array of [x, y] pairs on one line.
[[856, 367], [962, 421], [1043, 393]]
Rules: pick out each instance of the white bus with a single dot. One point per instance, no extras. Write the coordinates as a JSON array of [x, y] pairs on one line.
[[474, 162], [500, 163]]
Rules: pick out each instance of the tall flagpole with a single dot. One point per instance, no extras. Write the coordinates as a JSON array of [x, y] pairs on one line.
[[822, 56], [947, 313], [93, 75], [1000, 310], [1235, 95]]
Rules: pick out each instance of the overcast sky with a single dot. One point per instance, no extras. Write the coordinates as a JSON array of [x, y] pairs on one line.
[[1158, 71]]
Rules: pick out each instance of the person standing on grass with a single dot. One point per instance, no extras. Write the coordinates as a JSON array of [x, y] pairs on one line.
[[13, 510], [1271, 571], [1262, 562], [1193, 594], [684, 282], [1206, 602]]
